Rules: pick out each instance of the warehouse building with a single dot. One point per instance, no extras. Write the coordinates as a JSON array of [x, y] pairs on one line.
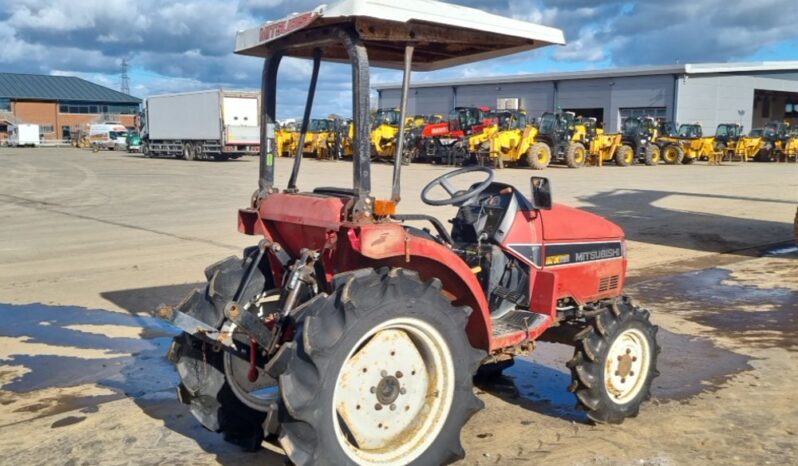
[[747, 93], [61, 105]]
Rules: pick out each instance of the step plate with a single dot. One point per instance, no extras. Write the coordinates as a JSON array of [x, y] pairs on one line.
[[516, 321]]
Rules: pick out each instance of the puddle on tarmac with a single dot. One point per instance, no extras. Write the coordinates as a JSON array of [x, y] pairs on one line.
[[67, 421], [712, 297], [688, 366], [135, 367]]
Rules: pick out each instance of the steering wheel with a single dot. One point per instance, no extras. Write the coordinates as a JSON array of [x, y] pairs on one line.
[[457, 197]]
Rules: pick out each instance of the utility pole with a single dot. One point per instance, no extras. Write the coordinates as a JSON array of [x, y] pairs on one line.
[[125, 86]]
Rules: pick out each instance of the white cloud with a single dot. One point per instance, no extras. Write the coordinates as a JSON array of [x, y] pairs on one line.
[[188, 45]]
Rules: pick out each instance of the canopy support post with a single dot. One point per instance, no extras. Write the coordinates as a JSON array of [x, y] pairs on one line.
[[400, 137], [361, 207]]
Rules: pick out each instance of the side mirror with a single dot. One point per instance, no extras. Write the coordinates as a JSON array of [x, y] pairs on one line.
[[541, 192]]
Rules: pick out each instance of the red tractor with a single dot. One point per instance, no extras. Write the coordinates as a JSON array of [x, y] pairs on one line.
[[352, 338]]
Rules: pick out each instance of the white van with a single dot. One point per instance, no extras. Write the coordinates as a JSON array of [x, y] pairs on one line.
[[23, 135], [108, 135]]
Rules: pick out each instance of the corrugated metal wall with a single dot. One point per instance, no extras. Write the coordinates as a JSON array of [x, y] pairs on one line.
[[706, 99], [714, 99], [538, 97]]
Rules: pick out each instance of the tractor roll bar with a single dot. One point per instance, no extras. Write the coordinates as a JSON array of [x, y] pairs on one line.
[[361, 207], [268, 106], [303, 131]]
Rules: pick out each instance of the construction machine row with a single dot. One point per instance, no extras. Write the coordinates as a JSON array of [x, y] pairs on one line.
[[501, 138]]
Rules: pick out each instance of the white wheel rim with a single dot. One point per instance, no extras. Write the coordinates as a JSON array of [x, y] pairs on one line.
[[626, 368], [393, 393]]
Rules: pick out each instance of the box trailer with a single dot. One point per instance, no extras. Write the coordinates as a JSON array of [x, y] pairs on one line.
[[205, 125], [23, 135]]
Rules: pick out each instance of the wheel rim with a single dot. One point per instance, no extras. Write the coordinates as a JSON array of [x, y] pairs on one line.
[[579, 156], [626, 369], [543, 157], [655, 155], [261, 394], [394, 393], [670, 155], [628, 157]]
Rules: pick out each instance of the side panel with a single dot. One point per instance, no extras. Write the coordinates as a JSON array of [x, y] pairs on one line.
[[191, 116], [587, 271]]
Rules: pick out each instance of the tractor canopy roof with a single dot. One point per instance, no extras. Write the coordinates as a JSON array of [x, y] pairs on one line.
[[443, 34]]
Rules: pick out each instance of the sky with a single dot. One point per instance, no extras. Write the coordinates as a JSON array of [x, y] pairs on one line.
[[185, 46]]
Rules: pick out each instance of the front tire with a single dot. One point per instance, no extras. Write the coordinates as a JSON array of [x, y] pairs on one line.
[[379, 372], [672, 154], [651, 155], [538, 156], [614, 363], [575, 155], [624, 156]]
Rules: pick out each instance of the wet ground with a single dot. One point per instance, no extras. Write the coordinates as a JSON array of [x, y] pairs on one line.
[[84, 380]]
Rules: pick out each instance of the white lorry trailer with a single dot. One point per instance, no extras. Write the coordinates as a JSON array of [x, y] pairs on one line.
[[23, 135], [205, 125]]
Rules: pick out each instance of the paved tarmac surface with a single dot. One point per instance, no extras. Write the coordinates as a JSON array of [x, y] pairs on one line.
[[90, 241]]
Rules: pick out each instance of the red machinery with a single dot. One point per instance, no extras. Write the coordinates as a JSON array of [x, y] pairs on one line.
[[352, 336], [447, 142]]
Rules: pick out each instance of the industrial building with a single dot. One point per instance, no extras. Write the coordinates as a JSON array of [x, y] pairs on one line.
[[61, 105], [710, 93]]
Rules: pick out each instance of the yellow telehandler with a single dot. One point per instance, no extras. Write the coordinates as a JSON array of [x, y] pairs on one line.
[[600, 146], [286, 137], [384, 130], [320, 138], [510, 138]]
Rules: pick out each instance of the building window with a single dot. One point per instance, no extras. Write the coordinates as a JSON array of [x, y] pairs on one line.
[[3, 128], [46, 129], [94, 108], [5, 105], [791, 110], [659, 113]]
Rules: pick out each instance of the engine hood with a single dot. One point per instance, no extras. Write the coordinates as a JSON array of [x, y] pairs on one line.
[[563, 223]]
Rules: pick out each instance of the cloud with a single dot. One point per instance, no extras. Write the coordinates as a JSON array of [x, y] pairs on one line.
[[188, 45]]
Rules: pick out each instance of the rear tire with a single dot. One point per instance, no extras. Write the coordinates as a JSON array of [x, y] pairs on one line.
[[346, 399], [624, 156], [538, 157], [614, 363], [204, 385], [575, 155], [188, 152]]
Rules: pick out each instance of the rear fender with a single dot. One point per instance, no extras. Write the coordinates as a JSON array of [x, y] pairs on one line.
[[391, 246]]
